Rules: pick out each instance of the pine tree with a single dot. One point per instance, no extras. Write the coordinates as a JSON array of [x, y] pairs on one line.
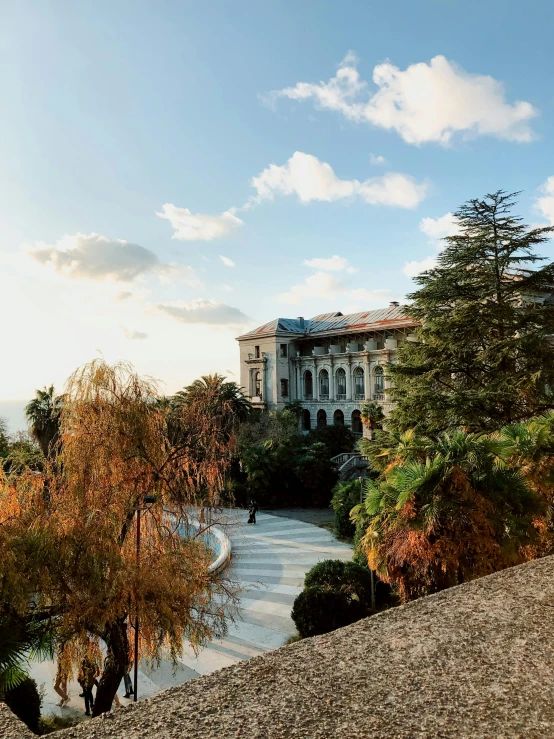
[[483, 356]]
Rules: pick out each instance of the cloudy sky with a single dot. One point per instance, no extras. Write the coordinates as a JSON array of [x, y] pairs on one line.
[[173, 173]]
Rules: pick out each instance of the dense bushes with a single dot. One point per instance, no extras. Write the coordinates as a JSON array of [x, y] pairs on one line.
[[337, 439], [336, 594], [280, 466], [346, 495], [25, 701], [318, 611]]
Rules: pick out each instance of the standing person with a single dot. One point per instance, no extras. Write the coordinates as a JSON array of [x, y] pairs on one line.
[[60, 685], [127, 681], [252, 511], [87, 680]]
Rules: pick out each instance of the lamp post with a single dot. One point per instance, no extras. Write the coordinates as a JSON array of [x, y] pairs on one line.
[[147, 500]]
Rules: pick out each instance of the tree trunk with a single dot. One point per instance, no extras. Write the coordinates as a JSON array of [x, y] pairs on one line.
[[117, 659]]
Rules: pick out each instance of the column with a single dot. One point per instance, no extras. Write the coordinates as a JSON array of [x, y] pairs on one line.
[[367, 378], [349, 381], [331, 379], [315, 382]]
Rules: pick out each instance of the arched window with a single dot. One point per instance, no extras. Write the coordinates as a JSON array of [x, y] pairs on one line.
[[258, 384], [305, 420], [359, 384], [338, 418], [340, 380], [379, 383], [324, 384], [357, 422], [308, 385], [321, 418]]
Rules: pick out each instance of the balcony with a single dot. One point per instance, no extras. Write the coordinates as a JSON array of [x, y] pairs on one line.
[[308, 396], [378, 396], [341, 396], [324, 396], [359, 396]]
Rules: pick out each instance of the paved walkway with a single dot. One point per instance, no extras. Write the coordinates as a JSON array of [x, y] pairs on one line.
[[270, 559]]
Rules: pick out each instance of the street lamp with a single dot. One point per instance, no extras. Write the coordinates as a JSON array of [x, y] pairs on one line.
[[146, 501]]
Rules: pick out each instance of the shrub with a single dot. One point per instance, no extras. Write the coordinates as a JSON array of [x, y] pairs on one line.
[[347, 578], [318, 611], [25, 701], [345, 496]]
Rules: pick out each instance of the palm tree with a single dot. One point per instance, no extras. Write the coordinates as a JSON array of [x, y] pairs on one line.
[[22, 639], [372, 415], [43, 414], [216, 396], [445, 511]]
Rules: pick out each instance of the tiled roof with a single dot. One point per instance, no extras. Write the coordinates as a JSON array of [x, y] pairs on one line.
[[330, 323]]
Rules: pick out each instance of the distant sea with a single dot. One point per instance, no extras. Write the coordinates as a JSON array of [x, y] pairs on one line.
[[13, 411]]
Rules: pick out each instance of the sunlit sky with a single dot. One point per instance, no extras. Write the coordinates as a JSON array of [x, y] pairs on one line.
[[174, 173]]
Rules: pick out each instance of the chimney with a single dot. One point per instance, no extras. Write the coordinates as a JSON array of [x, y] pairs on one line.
[[300, 320], [394, 304]]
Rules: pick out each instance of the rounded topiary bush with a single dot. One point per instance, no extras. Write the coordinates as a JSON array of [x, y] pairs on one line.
[[348, 578], [317, 611], [25, 701]]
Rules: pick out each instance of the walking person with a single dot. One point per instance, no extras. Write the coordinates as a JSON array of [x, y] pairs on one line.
[[127, 681], [252, 511], [60, 684], [86, 678]]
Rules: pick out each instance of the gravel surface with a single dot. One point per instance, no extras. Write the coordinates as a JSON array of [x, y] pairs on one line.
[[474, 661]]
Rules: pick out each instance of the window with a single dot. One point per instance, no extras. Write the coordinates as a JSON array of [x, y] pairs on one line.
[[358, 384], [357, 422], [256, 352], [284, 388], [258, 384], [324, 385], [340, 378], [321, 418], [283, 351], [338, 418], [308, 385], [305, 420], [379, 383]]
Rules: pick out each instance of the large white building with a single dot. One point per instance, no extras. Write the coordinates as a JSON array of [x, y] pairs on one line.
[[331, 364]]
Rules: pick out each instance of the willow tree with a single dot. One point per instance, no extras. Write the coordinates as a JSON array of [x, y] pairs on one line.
[[72, 553], [483, 356]]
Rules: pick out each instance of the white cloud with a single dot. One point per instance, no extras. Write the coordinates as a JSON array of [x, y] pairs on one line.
[[438, 228], [545, 204], [199, 227], [371, 296], [134, 335], [98, 258], [412, 269], [425, 102], [227, 262], [318, 285], [377, 160], [310, 179], [204, 311], [332, 264]]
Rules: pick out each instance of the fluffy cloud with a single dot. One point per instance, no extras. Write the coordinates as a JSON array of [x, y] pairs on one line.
[[437, 229], [305, 176], [545, 203], [377, 160], [96, 257], [199, 227], [134, 335], [425, 102], [371, 296], [318, 285], [333, 264], [227, 262], [204, 311]]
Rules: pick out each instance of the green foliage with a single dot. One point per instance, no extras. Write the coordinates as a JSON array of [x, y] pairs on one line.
[[372, 414], [4, 439], [337, 439], [43, 414], [347, 578], [281, 466], [345, 496], [445, 511], [25, 701], [23, 452], [483, 357], [318, 610], [21, 638], [51, 724]]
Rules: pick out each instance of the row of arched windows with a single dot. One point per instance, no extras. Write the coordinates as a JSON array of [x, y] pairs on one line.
[[338, 419], [340, 383]]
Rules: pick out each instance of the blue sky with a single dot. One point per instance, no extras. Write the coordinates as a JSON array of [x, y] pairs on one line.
[[111, 110]]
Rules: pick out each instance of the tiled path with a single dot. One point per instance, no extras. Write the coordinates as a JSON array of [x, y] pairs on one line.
[[270, 559]]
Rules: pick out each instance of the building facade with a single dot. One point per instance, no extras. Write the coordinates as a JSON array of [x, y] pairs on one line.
[[331, 364]]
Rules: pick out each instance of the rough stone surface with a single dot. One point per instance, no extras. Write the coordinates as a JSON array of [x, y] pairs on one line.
[[473, 661], [11, 727]]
